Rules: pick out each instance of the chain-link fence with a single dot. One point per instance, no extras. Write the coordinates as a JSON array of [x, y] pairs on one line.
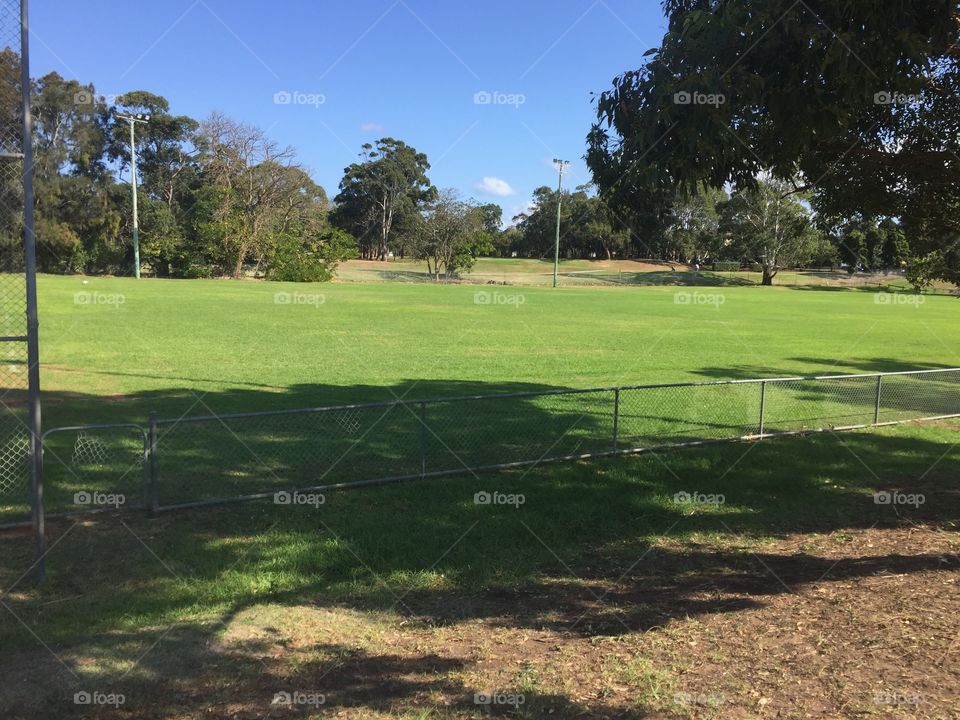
[[14, 379], [207, 459]]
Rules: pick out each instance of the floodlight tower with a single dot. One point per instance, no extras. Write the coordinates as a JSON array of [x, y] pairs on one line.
[[133, 119], [561, 164]]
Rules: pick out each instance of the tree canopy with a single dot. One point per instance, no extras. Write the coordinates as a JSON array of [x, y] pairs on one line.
[[854, 104]]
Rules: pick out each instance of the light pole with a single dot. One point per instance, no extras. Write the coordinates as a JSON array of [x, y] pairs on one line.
[[133, 119], [561, 164]]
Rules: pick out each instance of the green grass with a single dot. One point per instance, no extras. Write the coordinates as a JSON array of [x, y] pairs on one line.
[[231, 344], [420, 553], [420, 548], [209, 348]]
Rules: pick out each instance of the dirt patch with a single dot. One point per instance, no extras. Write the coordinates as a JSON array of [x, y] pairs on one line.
[[859, 623]]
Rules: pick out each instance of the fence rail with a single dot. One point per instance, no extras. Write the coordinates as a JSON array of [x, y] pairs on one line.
[[209, 459]]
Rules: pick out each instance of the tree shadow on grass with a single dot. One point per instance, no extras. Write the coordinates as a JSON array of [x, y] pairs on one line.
[[687, 278], [580, 555]]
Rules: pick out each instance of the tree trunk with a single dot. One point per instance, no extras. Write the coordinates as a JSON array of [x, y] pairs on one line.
[[768, 275]]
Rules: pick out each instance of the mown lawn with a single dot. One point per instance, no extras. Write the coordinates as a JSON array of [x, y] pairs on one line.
[[598, 595], [217, 610], [126, 348]]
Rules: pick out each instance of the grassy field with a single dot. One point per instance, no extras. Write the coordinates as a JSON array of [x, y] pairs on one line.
[[577, 273], [128, 347], [601, 594]]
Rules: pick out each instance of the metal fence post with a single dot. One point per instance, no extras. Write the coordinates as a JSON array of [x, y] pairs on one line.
[[616, 416], [153, 502], [763, 405], [423, 439], [876, 407]]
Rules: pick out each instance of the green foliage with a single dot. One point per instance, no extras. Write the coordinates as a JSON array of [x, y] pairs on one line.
[[588, 228], [856, 99], [768, 226], [311, 260], [381, 193], [450, 235], [722, 266], [215, 198]]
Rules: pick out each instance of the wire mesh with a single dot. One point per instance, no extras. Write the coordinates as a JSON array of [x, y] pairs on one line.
[[204, 459], [94, 468], [921, 395], [14, 433], [815, 404], [468, 434], [260, 453], [651, 417]]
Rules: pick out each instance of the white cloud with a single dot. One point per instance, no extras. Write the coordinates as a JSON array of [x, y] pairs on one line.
[[514, 210], [495, 186], [372, 127]]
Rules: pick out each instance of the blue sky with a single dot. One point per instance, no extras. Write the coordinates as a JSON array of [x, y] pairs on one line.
[[490, 91]]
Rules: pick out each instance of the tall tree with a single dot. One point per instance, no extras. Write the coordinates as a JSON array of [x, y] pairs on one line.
[[764, 224], [857, 101], [250, 179], [390, 179], [450, 235]]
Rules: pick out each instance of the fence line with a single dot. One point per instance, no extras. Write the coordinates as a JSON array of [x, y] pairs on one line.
[[211, 459]]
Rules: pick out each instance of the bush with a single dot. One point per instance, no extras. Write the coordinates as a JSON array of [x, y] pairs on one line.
[[311, 259], [298, 267], [726, 266]]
